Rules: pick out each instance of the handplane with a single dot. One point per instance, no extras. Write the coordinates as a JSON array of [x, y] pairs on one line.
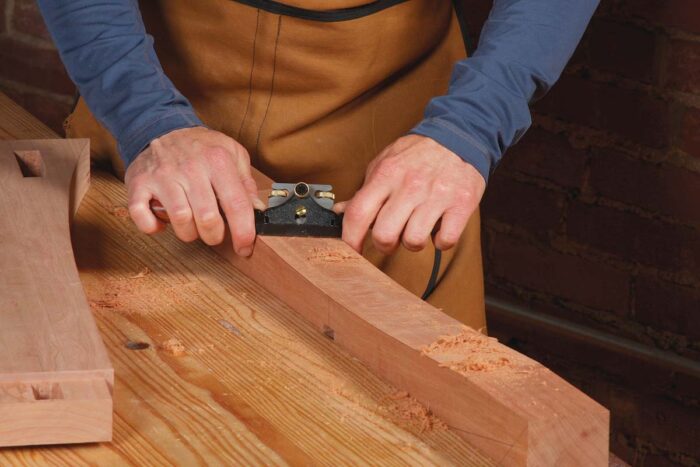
[[294, 210]]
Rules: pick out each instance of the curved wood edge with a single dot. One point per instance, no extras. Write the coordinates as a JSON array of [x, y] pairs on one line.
[[509, 406]]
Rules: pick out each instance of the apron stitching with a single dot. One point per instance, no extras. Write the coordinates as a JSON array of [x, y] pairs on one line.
[[272, 87], [250, 80]]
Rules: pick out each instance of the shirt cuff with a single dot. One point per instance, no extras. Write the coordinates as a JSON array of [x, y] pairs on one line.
[[131, 145], [457, 141]]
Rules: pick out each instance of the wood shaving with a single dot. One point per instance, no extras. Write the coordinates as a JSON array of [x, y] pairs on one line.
[[471, 352], [399, 408], [173, 347], [408, 413], [142, 273], [329, 255], [119, 211]]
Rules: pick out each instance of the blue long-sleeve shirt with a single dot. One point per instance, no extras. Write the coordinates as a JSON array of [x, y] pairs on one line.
[[523, 48]]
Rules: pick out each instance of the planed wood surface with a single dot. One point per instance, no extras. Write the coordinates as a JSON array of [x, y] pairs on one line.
[[250, 383], [55, 377]]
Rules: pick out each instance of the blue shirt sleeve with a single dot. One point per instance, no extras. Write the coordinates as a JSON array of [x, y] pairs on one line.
[[111, 59], [523, 48]]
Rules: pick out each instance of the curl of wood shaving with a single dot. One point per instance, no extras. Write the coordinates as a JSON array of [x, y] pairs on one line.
[[173, 347], [142, 273]]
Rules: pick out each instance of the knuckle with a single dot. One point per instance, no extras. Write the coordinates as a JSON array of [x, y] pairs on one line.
[[354, 213], [449, 239], [208, 219], [212, 239], [464, 195], [236, 202], [181, 216], [414, 181], [383, 238], [414, 242], [187, 237], [387, 167], [442, 188], [218, 157]]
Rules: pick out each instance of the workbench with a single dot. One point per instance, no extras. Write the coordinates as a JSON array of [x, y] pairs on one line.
[[210, 369]]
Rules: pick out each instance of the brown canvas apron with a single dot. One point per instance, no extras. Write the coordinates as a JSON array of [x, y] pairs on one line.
[[314, 95]]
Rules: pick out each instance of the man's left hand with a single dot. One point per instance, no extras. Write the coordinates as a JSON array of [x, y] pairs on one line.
[[410, 187]]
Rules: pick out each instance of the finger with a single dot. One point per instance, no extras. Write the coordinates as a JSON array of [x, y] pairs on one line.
[[252, 189], [140, 211], [173, 198], [361, 211], [339, 208], [205, 209], [419, 228], [451, 227], [391, 221], [238, 208]]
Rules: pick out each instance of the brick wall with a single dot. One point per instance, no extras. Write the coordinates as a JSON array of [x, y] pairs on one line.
[[594, 218], [31, 72]]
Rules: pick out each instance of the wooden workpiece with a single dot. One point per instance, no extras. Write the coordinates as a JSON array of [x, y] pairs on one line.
[[55, 377], [210, 368], [510, 407]]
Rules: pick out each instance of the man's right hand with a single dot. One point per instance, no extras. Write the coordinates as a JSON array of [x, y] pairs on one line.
[[187, 170]]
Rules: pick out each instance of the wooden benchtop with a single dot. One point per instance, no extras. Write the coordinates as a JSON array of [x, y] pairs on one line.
[[230, 375]]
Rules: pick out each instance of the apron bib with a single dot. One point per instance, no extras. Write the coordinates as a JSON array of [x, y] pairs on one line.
[[315, 94]]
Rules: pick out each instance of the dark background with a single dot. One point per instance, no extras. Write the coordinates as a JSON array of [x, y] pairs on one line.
[[591, 225]]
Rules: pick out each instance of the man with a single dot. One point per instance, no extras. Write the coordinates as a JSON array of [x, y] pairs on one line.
[[319, 91]]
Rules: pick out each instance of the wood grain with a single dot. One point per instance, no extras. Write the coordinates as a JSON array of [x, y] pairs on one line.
[[55, 377], [256, 383]]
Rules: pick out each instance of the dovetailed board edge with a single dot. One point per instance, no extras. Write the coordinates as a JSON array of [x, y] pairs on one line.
[[518, 413], [55, 412], [55, 376]]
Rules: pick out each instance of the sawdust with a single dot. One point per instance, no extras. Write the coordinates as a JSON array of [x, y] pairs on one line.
[[119, 211], [399, 408], [329, 255], [472, 352], [408, 413], [173, 347]]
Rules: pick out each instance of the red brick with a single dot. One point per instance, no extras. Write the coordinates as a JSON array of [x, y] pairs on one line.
[[31, 66], [690, 132], [683, 72], [632, 114], [662, 189], [635, 239], [523, 205], [2, 16], [565, 276], [677, 14], [623, 49], [27, 19], [46, 109], [546, 155], [666, 306]]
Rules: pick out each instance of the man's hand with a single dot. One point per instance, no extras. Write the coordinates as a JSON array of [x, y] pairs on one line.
[[188, 170], [409, 187]]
